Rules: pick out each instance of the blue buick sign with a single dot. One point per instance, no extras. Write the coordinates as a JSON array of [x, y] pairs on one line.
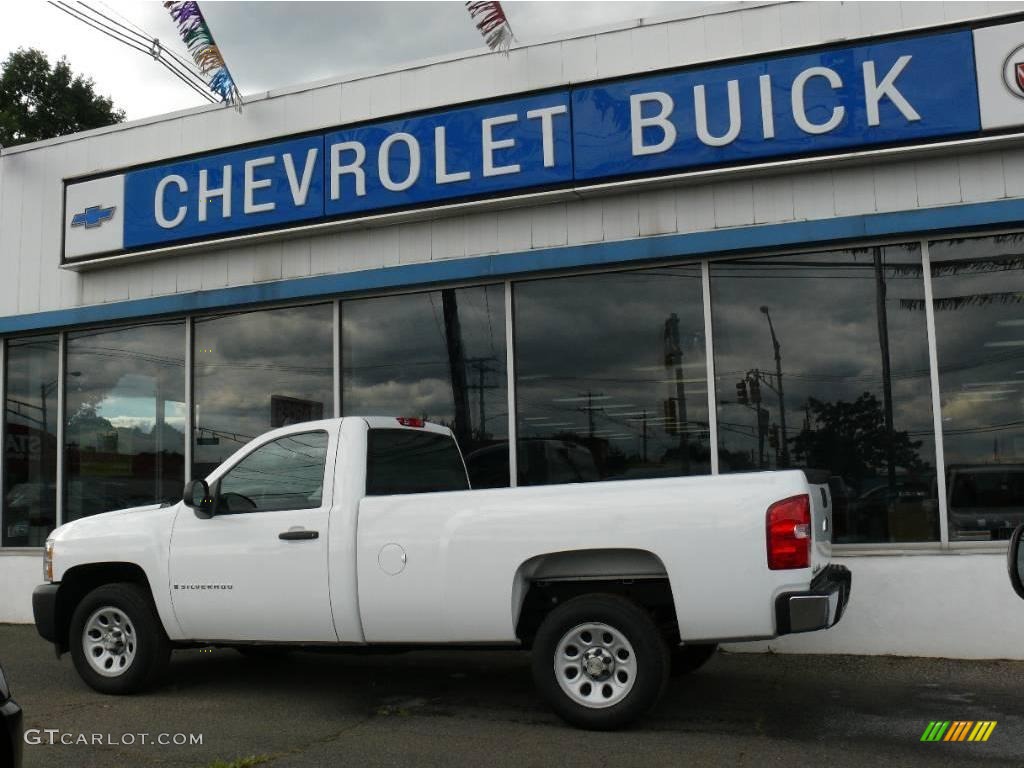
[[837, 99]]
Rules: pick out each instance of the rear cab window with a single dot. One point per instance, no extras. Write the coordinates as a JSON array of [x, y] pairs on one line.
[[400, 461]]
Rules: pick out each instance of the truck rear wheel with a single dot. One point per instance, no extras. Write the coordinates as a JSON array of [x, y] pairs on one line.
[[600, 661], [117, 642]]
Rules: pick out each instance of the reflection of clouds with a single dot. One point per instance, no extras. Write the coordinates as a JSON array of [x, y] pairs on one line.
[[823, 306], [604, 334], [983, 418], [243, 359], [31, 381], [395, 355]]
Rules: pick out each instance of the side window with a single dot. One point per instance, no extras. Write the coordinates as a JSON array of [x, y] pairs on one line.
[[287, 473], [406, 461]]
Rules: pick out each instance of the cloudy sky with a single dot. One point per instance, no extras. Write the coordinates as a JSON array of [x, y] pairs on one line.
[[275, 44]]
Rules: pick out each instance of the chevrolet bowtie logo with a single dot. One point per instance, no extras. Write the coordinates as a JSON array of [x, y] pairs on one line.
[[93, 216]]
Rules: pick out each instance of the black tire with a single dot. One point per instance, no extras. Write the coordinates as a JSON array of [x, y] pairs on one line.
[[152, 649], [651, 662], [690, 658]]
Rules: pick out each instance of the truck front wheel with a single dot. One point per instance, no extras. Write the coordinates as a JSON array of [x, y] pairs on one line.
[[600, 661], [117, 642]]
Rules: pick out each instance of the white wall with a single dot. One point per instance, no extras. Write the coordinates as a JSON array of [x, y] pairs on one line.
[[19, 574], [952, 605]]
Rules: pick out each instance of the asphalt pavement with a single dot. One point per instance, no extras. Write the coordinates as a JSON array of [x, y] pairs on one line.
[[478, 708]]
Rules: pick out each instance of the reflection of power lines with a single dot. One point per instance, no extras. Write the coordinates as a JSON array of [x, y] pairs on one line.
[[214, 435]]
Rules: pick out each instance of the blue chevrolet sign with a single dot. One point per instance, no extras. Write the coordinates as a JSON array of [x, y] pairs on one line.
[[837, 99]]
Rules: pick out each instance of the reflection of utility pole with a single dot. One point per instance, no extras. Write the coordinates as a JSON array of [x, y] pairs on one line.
[[480, 365], [883, 343], [456, 366], [674, 360], [589, 409], [783, 442], [643, 432]]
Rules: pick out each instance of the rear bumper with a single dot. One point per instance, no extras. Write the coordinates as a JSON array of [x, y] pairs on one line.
[[820, 607], [44, 610]]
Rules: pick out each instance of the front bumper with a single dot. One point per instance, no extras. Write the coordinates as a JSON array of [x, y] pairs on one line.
[[820, 607], [10, 733], [44, 610]]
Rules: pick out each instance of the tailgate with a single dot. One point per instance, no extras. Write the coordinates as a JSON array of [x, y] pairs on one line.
[[821, 517]]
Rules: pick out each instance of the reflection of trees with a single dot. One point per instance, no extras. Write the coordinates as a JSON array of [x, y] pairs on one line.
[[853, 441]]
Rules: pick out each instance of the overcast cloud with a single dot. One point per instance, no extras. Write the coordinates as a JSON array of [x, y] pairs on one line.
[[275, 44]]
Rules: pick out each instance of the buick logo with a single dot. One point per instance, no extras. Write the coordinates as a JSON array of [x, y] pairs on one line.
[[1013, 72]]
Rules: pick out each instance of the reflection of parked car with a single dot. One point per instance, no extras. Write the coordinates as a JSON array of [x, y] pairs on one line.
[[10, 732], [985, 501], [905, 511]]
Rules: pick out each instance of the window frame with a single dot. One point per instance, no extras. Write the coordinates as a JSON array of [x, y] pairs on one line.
[[214, 479], [442, 435]]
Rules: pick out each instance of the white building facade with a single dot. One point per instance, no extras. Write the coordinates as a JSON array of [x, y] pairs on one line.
[[773, 235]]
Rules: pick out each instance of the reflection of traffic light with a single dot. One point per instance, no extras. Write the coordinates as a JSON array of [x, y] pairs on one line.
[[755, 390], [741, 393], [773, 436], [671, 421]]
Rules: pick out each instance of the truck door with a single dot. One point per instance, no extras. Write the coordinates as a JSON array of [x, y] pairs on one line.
[[257, 569]]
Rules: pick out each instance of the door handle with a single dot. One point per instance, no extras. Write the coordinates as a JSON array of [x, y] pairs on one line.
[[298, 535]]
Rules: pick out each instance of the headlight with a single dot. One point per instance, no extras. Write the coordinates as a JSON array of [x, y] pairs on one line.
[[5, 691], [48, 561]]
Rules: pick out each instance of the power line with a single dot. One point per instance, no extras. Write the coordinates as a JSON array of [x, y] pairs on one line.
[[154, 51]]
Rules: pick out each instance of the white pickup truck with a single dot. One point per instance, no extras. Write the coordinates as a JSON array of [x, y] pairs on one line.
[[364, 531]]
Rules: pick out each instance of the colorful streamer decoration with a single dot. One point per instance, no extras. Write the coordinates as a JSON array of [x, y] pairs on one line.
[[198, 39], [493, 24]]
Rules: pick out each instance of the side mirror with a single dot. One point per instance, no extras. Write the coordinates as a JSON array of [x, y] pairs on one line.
[[1015, 561], [197, 496]]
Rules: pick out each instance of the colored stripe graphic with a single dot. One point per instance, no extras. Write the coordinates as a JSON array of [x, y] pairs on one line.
[[935, 730], [958, 730]]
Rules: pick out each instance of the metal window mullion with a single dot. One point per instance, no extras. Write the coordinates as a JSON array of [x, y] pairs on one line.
[[337, 358], [933, 365], [61, 389], [189, 397], [709, 354], [510, 372]]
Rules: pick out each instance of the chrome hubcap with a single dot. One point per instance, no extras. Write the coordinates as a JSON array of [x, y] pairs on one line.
[[109, 641], [595, 665]]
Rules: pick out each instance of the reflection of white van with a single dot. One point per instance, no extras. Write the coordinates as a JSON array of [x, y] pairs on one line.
[[985, 501], [540, 462]]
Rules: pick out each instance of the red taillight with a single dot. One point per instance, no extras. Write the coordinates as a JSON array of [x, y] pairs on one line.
[[789, 533], [410, 421]]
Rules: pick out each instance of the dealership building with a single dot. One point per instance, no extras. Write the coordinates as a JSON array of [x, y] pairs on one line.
[[767, 236]]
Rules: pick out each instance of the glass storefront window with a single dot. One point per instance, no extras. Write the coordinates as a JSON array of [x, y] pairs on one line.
[[978, 292], [821, 361], [124, 436], [611, 376], [439, 355], [256, 371], [30, 442]]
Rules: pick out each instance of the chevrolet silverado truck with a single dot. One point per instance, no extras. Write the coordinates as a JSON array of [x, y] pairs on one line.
[[358, 532]]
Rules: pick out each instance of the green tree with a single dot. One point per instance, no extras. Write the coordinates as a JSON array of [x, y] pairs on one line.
[[39, 101], [850, 439]]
